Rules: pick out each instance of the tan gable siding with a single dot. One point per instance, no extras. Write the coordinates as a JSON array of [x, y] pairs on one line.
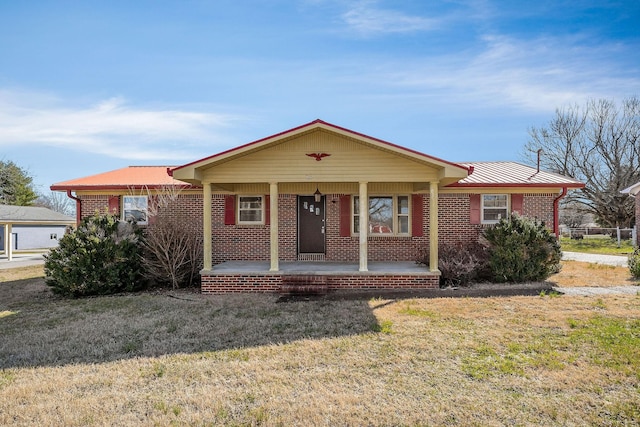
[[349, 160]]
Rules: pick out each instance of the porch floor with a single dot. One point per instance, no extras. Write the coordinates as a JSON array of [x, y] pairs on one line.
[[325, 268]]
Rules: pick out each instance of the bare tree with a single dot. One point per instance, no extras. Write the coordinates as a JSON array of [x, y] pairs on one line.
[[173, 248], [598, 144], [58, 202]]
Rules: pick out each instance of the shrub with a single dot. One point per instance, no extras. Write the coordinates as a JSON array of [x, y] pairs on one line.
[[522, 249], [172, 252], [459, 263], [634, 263], [101, 257]]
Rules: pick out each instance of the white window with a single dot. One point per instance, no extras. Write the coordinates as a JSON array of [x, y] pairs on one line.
[[250, 209], [388, 215], [494, 207], [135, 208]]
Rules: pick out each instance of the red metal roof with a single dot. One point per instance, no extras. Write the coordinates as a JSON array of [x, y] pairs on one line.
[[511, 174], [129, 177]]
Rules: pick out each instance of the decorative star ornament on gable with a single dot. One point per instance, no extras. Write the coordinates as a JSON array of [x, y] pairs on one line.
[[318, 156]]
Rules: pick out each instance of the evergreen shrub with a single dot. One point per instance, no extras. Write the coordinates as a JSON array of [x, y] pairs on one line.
[[521, 250], [102, 256]]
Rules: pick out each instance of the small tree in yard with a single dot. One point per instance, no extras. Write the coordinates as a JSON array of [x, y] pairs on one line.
[[173, 252], [521, 250], [102, 256], [172, 246]]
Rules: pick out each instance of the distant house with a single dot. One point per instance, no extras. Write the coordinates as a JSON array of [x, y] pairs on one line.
[[29, 228], [633, 192], [324, 205]]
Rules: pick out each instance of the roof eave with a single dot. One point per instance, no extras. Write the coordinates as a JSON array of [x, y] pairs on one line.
[[117, 187], [515, 184]]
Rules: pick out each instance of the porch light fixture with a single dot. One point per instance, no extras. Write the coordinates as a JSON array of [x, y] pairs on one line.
[[317, 195]]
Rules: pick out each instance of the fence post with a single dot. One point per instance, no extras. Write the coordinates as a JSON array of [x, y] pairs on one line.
[[618, 234]]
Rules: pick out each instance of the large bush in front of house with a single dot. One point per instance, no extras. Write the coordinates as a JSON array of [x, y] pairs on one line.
[[521, 250], [102, 256], [460, 263]]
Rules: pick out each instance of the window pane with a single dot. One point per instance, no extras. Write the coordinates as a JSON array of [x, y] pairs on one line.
[[250, 216], [356, 205], [494, 214], [380, 215], [135, 208], [495, 201], [403, 224], [250, 202], [356, 224], [250, 209], [403, 205]]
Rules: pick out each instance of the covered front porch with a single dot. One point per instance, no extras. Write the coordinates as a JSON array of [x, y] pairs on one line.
[[369, 201], [316, 277]]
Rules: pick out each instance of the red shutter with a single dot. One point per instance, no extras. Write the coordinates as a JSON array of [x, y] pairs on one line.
[[516, 203], [416, 215], [114, 205], [474, 208], [229, 210], [267, 210], [345, 216]]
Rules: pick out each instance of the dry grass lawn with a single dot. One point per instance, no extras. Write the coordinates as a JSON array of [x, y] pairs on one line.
[[185, 359]]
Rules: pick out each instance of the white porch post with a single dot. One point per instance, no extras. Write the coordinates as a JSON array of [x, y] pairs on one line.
[[273, 219], [8, 243], [433, 226], [206, 226], [364, 227]]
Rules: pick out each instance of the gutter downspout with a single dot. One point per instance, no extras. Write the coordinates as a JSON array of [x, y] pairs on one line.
[[78, 207], [556, 212]]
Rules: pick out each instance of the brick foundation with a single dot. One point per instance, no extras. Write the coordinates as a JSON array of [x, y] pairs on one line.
[[277, 283]]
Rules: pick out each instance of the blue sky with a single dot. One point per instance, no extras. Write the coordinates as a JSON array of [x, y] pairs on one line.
[[91, 86]]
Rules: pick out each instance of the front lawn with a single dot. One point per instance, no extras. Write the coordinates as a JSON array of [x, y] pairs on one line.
[[597, 245], [184, 359]]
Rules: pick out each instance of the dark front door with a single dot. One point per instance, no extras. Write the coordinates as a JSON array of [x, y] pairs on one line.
[[311, 225]]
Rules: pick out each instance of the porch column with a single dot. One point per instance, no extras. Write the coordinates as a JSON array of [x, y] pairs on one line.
[[273, 219], [8, 244], [364, 227], [206, 226], [433, 226]]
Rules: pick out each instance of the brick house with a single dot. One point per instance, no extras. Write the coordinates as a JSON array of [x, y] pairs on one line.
[[291, 207]]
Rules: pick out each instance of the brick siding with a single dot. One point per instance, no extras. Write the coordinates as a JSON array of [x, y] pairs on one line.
[[251, 243]]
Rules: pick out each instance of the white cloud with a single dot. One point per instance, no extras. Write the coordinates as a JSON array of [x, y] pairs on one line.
[[111, 127], [531, 75], [365, 18]]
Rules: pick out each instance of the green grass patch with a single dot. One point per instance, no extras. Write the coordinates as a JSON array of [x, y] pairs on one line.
[[612, 342], [597, 245]]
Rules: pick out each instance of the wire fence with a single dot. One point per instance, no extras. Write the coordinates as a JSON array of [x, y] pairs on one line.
[[618, 234]]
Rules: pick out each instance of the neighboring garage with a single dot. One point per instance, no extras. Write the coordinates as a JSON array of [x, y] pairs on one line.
[[29, 228]]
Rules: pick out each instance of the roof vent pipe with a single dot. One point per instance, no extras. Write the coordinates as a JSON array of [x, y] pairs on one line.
[[539, 152]]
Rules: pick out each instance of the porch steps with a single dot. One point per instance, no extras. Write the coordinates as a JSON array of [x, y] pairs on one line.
[[311, 257], [304, 285]]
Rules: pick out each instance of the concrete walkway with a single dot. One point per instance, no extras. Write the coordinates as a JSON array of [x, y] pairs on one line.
[[593, 291], [617, 260], [21, 260]]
